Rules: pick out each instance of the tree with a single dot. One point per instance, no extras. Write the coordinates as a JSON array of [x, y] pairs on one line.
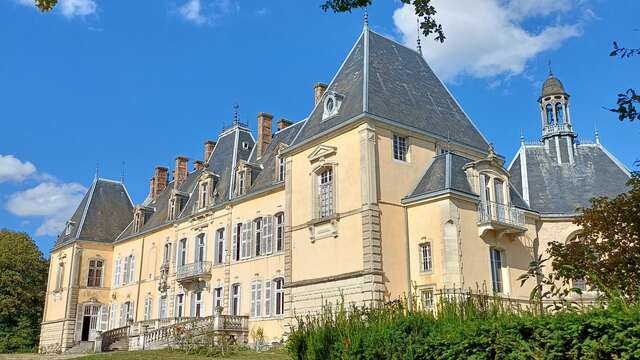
[[23, 279], [607, 251], [628, 100]]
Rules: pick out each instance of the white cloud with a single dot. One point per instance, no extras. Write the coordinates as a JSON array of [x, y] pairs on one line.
[[202, 12], [486, 38], [68, 8], [53, 202], [12, 169]]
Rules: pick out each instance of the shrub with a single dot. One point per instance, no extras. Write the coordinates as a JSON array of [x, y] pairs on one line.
[[469, 327]]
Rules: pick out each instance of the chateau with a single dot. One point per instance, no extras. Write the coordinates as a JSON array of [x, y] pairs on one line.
[[385, 189]]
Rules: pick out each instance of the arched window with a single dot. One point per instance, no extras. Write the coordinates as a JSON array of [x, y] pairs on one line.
[[560, 113], [549, 114]]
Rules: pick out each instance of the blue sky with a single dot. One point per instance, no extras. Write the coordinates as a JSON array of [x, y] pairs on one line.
[[139, 82]]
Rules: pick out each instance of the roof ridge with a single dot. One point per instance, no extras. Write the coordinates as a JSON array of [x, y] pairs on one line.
[[92, 189]]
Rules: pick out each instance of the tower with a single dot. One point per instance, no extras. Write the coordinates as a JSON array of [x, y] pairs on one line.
[[557, 131]]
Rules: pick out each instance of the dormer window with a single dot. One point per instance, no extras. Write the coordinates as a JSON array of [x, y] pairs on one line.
[[241, 180], [69, 228], [245, 145], [177, 202], [280, 168], [140, 217], [204, 195], [332, 102]]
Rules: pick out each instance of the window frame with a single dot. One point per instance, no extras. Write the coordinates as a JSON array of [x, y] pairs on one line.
[[279, 233], [325, 186], [234, 296], [279, 296], [219, 247], [423, 303], [497, 272], [93, 279], [281, 168], [426, 259], [400, 148]]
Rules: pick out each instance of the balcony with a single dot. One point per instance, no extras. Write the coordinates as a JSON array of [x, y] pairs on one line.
[[501, 218], [193, 271], [554, 129]]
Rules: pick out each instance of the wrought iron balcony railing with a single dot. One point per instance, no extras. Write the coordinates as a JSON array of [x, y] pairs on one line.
[[492, 212], [552, 129], [193, 270]]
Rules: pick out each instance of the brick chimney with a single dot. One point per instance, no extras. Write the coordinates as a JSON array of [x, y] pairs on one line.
[[208, 149], [198, 165], [181, 171], [158, 181], [283, 123], [318, 91], [264, 132]]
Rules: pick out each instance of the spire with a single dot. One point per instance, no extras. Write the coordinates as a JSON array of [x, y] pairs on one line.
[[236, 116], [366, 18], [550, 70], [419, 47], [597, 134], [521, 136]]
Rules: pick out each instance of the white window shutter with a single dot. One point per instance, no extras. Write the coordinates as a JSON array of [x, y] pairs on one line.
[[133, 310], [79, 314], [258, 298], [192, 311], [267, 298], [104, 317], [234, 241], [253, 300], [267, 234], [132, 270], [116, 276], [112, 317], [122, 314]]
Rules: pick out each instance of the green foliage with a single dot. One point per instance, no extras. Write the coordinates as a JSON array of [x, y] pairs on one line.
[[468, 327], [23, 276]]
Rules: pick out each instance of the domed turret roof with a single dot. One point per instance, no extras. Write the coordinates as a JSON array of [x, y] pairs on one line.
[[552, 86]]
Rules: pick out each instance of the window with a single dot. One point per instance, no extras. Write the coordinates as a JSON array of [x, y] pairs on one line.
[[219, 249], [245, 241], [204, 188], [256, 299], [166, 256], [129, 269], [95, 273], [560, 113], [549, 110], [579, 283], [162, 307], [496, 270], [148, 303], [182, 253], [325, 192], [172, 208], [257, 237], [281, 168], [279, 231], [428, 299], [69, 228], [235, 299], [217, 297], [267, 298], [331, 105], [236, 242], [59, 276], [200, 252], [426, 261], [196, 304], [245, 145], [241, 180], [179, 305], [126, 313], [279, 296], [498, 187], [399, 148]]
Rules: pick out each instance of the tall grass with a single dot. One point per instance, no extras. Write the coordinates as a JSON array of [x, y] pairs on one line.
[[462, 326]]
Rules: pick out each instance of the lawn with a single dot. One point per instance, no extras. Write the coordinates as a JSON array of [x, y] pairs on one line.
[[178, 355]]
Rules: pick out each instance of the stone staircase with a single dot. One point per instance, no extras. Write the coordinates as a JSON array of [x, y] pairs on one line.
[[81, 348]]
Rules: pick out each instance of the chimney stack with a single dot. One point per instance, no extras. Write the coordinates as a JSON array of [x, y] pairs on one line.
[[264, 132], [158, 181], [283, 123], [198, 165], [208, 149], [318, 91], [181, 171]]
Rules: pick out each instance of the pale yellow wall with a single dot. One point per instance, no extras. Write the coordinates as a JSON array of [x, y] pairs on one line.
[[100, 251], [425, 224], [344, 251], [57, 300]]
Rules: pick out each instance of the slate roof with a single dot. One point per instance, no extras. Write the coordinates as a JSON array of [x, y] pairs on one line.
[[393, 83], [446, 173], [563, 188], [106, 199]]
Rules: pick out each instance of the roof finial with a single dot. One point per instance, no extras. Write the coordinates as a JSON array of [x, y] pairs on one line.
[[366, 18], [97, 170], [597, 134], [236, 116], [419, 46], [521, 136], [122, 173], [550, 70]]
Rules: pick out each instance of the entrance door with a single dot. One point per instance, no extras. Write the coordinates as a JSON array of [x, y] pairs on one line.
[[86, 323]]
